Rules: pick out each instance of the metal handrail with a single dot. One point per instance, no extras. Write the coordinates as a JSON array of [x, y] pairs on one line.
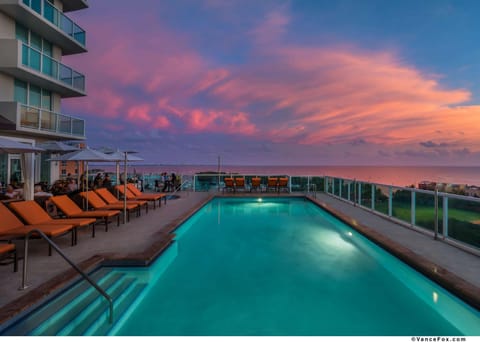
[[67, 259], [180, 187]]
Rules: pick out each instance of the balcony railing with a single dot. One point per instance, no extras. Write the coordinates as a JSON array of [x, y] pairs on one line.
[[47, 121], [57, 18], [48, 66]]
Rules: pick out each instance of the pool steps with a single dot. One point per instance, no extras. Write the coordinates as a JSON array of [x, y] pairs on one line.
[[81, 310]]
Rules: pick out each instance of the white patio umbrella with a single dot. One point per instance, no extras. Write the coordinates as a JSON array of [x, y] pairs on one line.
[[12, 146], [57, 148], [86, 155], [124, 156]]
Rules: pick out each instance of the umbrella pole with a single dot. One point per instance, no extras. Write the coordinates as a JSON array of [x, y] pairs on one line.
[[86, 183], [125, 190]]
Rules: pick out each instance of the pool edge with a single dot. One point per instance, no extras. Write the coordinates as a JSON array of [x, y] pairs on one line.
[[458, 286]]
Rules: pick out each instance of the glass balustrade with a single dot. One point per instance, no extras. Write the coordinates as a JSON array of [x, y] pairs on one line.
[[48, 66], [58, 19], [44, 120]]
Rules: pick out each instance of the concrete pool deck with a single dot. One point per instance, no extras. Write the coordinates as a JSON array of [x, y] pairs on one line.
[[142, 239]]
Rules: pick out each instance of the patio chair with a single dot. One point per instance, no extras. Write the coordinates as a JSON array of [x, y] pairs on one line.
[[8, 250], [32, 213], [131, 196], [97, 203], [229, 184], [71, 210], [256, 184], [239, 183], [283, 184], [272, 183], [108, 197], [146, 197], [12, 228]]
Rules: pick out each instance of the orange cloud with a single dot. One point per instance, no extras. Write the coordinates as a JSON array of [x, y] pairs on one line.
[[214, 121]]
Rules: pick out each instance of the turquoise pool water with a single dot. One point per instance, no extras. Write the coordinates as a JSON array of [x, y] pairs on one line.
[[286, 267]]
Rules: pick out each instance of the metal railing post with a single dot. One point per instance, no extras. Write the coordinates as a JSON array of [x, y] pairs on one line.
[[390, 201], [412, 208], [435, 235], [445, 216]]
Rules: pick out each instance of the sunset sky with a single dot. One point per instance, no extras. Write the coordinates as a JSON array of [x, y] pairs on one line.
[[315, 82]]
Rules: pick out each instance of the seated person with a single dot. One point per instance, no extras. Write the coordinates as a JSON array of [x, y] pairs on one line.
[[72, 185], [13, 193], [38, 192]]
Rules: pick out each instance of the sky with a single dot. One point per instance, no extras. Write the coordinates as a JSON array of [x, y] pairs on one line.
[[304, 82]]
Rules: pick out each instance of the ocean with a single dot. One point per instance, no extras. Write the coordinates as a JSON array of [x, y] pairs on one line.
[[390, 175]]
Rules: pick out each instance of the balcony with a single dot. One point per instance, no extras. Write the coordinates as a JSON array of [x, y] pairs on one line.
[[35, 121], [74, 5], [26, 63], [48, 21]]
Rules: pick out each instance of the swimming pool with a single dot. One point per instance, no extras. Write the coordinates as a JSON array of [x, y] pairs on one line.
[[277, 266], [286, 267]]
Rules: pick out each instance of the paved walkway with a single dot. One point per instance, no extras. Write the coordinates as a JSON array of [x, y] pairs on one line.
[[143, 236]]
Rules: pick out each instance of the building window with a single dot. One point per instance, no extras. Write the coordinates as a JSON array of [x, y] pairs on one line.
[[64, 163], [33, 40], [64, 172], [29, 94], [21, 91]]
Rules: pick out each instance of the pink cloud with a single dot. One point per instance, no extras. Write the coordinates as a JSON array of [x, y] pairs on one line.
[[139, 113], [282, 92], [213, 121]]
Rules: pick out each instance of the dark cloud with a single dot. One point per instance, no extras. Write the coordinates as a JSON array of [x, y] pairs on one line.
[[431, 144]]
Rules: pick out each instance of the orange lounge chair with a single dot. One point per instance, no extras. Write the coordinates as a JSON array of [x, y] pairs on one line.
[[131, 196], [256, 184], [12, 228], [32, 213], [229, 184], [146, 197], [108, 197], [283, 184], [71, 210], [239, 183], [272, 183], [8, 250], [97, 203]]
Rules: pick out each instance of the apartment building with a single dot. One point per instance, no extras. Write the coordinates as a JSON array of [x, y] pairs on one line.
[[34, 35]]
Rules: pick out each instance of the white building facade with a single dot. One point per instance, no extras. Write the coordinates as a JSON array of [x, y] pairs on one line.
[[34, 35]]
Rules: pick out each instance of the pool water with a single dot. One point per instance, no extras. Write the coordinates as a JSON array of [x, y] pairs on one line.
[[286, 267]]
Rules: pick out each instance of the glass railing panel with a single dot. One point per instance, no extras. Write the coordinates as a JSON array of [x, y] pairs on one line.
[[66, 74], [78, 80], [64, 124], [205, 182], [57, 18], [29, 117], [48, 121], [50, 14], [346, 185], [366, 199], [425, 210], [50, 67], [36, 5], [79, 34], [464, 221], [298, 183], [381, 199], [401, 204], [78, 127], [319, 183], [34, 59]]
